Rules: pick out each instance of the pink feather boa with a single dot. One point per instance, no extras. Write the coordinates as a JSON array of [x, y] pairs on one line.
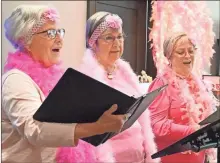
[[190, 90], [199, 100], [45, 78], [82, 153]]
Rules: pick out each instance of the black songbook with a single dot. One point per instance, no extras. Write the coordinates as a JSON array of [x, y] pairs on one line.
[[211, 118], [205, 138], [78, 98]]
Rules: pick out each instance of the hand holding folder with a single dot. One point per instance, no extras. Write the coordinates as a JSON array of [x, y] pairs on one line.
[[109, 122], [78, 98]]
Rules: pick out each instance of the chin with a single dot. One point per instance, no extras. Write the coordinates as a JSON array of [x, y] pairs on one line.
[[113, 59], [115, 55], [55, 61], [189, 69]]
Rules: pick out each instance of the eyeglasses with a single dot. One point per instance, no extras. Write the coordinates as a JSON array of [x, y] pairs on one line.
[[183, 53], [52, 33], [111, 39]]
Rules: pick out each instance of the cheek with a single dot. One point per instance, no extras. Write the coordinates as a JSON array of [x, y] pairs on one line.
[[122, 48], [42, 45], [176, 60], [102, 51], [46, 45], [103, 48], [41, 49]]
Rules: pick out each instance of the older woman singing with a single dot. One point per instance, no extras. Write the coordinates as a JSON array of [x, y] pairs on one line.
[[177, 111], [30, 74], [102, 61]]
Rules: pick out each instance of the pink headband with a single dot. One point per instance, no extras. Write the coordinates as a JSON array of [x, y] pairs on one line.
[[111, 21], [50, 14]]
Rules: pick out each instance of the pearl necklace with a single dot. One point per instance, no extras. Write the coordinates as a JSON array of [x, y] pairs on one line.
[[109, 72], [110, 75]]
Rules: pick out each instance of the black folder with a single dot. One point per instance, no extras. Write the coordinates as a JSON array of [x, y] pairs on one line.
[[204, 138], [78, 98], [211, 118]]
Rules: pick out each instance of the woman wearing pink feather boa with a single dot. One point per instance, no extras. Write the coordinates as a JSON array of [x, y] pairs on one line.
[[102, 61], [177, 112], [30, 74]]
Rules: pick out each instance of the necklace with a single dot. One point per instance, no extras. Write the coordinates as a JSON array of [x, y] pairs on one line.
[[109, 71], [110, 75]]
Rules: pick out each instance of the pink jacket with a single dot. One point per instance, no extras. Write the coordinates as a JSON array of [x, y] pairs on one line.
[[169, 117], [130, 146]]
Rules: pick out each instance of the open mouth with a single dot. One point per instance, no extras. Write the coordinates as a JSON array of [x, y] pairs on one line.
[[186, 62], [114, 51], [56, 50]]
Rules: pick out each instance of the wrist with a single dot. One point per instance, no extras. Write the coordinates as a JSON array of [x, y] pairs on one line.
[[98, 128], [83, 130]]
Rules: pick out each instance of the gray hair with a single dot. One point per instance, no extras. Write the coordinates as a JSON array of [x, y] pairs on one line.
[[170, 42], [93, 22], [22, 19]]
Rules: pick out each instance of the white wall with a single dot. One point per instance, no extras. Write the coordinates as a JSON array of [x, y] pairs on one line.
[[215, 15], [73, 19], [214, 7]]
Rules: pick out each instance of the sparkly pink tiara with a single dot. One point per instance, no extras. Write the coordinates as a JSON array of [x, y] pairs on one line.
[[50, 14], [111, 21]]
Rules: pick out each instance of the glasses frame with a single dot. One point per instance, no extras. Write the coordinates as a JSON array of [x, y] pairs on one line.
[[114, 38], [56, 31]]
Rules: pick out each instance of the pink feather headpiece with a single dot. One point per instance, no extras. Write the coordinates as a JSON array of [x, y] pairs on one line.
[[190, 17]]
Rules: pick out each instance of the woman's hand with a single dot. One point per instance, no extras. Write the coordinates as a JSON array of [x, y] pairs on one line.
[[106, 123], [111, 123], [189, 152], [195, 128]]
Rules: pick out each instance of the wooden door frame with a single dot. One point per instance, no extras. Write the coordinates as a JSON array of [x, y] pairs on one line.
[[151, 69], [141, 37], [91, 8]]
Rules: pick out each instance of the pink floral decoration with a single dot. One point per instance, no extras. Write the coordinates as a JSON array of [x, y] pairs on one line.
[[50, 14], [113, 21]]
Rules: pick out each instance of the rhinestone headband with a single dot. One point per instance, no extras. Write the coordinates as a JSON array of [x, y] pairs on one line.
[[50, 14], [111, 21]]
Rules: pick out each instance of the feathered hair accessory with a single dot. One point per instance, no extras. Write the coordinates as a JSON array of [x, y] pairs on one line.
[[190, 17]]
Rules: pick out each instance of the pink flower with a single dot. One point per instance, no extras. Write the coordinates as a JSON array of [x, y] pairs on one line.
[[113, 21], [50, 14]]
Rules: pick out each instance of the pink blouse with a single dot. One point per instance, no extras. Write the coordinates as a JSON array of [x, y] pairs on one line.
[[170, 123]]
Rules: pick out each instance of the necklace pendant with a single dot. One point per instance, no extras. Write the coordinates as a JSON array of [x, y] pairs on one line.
[[110, 76]]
